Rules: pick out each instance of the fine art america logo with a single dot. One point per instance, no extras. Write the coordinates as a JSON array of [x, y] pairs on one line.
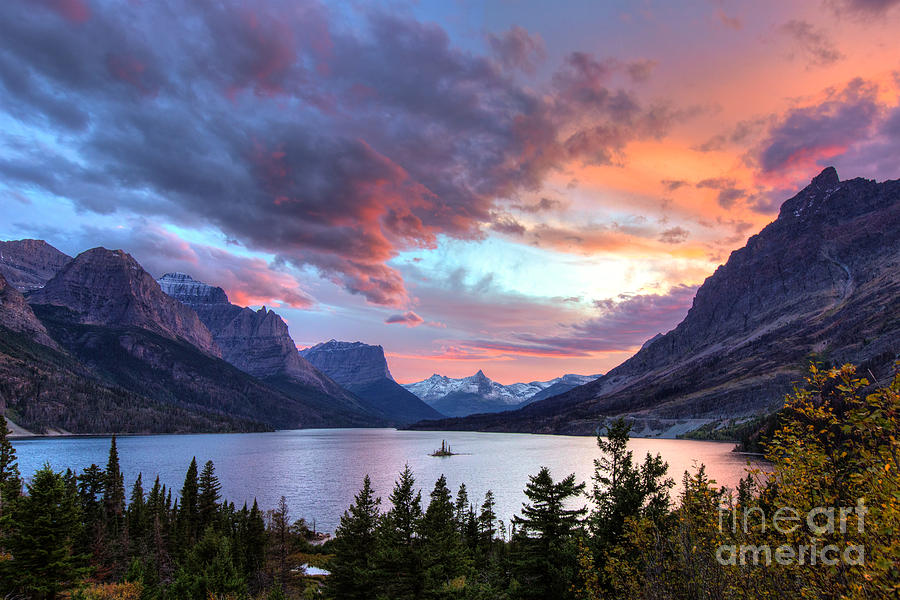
[[820, 522]]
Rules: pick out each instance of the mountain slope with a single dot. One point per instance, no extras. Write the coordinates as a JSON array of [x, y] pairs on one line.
[[363, 369], [480, 394], [259, 343], [115, 321], [109, 287], [823, 280], [29, 264]]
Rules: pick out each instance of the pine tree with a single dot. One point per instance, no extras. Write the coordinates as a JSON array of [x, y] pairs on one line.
[[546, 552], [115, 541], [10, 480], [280, 525], [399, 558], [44, 537], [622, 489], [462, 508], [487, 519], [209, 495], [355, 539], [188, 523], [136, 516], [254, 544], [444, 556]]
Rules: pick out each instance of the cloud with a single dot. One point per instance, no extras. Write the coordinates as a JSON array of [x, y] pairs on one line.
[[640, 70], [728, 192], [508, 225], [542, 205], [867, 8], [248, 281], [268, 123], [673, 184], [819, 50], [409, 318], [517, 49], [803, 137], [621, 324], [674, 235]]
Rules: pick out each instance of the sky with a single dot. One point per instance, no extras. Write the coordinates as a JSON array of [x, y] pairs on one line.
[[522, 187]]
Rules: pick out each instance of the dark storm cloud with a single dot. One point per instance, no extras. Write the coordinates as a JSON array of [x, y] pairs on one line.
[[326, 146]]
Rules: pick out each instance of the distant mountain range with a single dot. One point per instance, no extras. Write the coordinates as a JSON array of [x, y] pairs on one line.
[[821, 282], [479, 394]]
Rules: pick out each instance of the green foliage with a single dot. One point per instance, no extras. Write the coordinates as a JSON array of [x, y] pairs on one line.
[[352, 572], [44, 529], [545, 545]]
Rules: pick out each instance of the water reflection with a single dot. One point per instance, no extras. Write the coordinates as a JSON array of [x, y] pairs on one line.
[[319, 471]]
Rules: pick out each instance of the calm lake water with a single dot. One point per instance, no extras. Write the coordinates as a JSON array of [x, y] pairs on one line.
[[320, 470]]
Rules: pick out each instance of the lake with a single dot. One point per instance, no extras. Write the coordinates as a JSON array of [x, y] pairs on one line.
[[320, 470]]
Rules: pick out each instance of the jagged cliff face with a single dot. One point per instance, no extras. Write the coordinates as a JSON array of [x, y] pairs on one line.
[[108, 287], [822, 280], [349, 362], [16, 315], [29, 264], [257, 342]]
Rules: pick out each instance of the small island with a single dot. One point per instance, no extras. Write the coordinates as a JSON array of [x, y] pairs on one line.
[[444, 450]]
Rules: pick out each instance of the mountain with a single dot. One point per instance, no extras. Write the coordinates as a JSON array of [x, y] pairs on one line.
[[363, 369], [820, 282], [29, 264], [109, 287], [258, 342], [17, 316], [119, 331], [479, 394], [45, 389]]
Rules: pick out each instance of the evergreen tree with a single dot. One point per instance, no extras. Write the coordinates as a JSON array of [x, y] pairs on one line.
[[136, 516], [462, 508], [354, 545], [624, 490], [279, 529], [399, 558], [487, 519], [10, 481], [209, 495], [44, 536], [90, 491], [188, 521], [546, 552], [254, 544], [444, 557], [115, 545]]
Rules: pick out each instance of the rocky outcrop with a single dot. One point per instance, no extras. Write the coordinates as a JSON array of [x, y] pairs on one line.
[[363, 369], [822, 281], [349, 362], [256, 341], [109, 287], [16, 315], [29, 264]]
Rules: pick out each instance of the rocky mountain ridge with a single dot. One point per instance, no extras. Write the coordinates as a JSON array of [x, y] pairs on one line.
[[109, 287], [29, 264]]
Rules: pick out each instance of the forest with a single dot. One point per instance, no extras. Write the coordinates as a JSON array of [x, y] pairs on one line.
[[820, 521]]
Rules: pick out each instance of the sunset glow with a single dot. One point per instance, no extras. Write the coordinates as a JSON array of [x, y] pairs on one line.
[[530, 191]]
